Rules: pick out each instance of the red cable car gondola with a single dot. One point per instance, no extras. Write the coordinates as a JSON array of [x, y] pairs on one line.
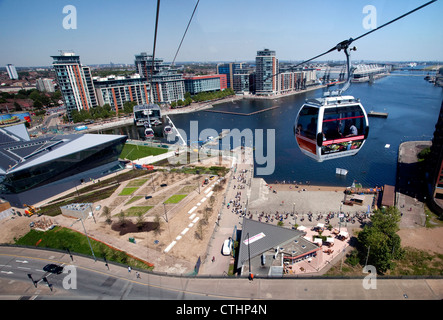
[[331, 127], [334, 126]]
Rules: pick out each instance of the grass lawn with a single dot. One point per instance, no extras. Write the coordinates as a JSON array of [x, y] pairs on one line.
[[133, 152], [136, 182], [63, 238], [133, 199], [128, 191], [137, 211], [176, 198]]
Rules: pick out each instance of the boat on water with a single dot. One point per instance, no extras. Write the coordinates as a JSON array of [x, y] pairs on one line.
[[341, 172], [149, 113]]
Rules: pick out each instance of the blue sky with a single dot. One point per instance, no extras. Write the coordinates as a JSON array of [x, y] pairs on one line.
[[228, 30]]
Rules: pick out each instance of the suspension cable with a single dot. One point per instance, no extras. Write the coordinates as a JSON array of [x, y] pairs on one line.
[[178, 49], [346, 43]]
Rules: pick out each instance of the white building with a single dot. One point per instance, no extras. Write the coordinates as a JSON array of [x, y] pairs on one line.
[[12, 72], [45, 85]]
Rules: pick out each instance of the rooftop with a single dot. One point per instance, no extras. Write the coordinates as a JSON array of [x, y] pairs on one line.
[[264, 237]]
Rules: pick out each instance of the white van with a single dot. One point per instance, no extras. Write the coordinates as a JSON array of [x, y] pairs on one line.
[[227, 247]]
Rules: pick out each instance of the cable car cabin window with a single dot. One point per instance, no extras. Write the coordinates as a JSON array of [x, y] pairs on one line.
[[343, 129], [307, 122]]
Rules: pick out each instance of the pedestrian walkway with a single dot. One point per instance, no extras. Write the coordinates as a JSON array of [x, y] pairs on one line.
[[238, 191]]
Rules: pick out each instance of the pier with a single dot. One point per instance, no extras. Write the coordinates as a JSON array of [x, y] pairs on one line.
[[242, 114], [377, 114]]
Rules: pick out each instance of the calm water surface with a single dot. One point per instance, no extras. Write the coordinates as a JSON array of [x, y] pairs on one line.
[[413, 105]]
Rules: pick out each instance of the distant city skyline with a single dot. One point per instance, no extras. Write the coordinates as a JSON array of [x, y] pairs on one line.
[[115, 30]]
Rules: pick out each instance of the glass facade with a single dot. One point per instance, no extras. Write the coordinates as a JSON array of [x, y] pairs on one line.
[[266, 68], [62, 167]]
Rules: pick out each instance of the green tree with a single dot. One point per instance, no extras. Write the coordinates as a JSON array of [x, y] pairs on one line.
[[378, 241]]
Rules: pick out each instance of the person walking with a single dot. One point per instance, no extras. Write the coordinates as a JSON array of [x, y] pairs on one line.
[[129, 269]]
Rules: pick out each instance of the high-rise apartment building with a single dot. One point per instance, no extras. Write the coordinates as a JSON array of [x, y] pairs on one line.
[[242, 81], [75, 82], [145, 67], [229, 69], [167, 84], [12, 72], [266, 69], [115, 91]]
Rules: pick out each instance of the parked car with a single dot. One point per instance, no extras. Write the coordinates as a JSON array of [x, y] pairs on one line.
[[53, 268]]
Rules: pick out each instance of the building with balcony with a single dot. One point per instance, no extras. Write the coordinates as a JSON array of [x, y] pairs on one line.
[[75, 82], [115, 91], [167, 84], [266, 69], [208, 83], [230, 69]]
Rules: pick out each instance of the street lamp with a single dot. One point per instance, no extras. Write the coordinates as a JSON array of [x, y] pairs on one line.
[[166, 216], [87, 237]]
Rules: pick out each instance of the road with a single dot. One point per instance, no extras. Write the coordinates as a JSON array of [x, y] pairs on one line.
[[94, 280]]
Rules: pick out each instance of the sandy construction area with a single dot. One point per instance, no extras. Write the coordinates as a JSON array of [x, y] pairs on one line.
[[423, 239]]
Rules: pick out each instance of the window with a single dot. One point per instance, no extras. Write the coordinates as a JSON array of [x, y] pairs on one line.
[[307, 122], [343, 128]]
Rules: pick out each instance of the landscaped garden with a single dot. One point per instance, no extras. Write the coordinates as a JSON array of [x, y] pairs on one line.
[[64, 239]]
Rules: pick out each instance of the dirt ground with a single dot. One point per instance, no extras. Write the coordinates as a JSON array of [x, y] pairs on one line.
[[149, 245], [423, 239], [181, 258]]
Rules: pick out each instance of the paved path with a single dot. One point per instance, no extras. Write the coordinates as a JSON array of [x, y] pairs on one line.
[[228, 219]]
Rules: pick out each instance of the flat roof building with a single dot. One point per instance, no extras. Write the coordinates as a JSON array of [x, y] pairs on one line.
[[265, 246], [229, 69], [115, 91], [207, 83], [75, 82], [35, 169], [266, 69]]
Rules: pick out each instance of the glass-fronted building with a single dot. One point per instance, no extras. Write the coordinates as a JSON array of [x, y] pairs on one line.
[[266, 69], [28, 165], [209, 83], [229, 69]]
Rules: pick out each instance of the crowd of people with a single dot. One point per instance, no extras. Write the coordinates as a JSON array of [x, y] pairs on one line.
[[236, 205]]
